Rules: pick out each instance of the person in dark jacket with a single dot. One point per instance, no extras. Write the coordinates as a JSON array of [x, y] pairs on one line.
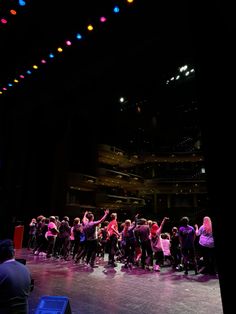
[[15, 281]]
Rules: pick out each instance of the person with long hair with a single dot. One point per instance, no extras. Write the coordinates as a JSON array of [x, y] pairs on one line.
[[207, 246]]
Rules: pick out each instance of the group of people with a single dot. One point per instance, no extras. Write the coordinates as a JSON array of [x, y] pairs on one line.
[[138, 242]]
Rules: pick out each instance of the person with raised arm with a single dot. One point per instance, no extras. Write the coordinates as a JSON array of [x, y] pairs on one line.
[[91, 232], [156, 244]]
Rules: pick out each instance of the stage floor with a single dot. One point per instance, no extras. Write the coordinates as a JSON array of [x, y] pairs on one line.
[[117, 291]]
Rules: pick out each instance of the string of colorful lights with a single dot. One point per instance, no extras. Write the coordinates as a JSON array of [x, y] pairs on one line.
[[66, 43], [11, 12]]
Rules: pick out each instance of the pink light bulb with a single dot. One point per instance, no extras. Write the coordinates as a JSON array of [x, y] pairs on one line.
[[68, 43], [103, 19], [22, 76], [3, 21]]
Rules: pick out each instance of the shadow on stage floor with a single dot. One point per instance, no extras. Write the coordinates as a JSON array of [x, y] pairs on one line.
[[117, 290]]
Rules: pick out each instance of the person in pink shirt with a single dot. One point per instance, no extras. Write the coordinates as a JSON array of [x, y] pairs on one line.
[[51, 235], [113, 234]]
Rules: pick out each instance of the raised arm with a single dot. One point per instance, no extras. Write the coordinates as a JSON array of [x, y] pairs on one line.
[[85, 219], [103, 218], [162, 224], [196, 230], [134, 224]]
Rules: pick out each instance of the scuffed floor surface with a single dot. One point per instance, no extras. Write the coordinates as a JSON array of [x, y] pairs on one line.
[[117, 290]]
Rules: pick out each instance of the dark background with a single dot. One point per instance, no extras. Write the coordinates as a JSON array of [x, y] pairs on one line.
[[60, 111], [55, 117]]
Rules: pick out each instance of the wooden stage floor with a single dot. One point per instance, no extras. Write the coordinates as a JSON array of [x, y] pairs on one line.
[[117, 291]]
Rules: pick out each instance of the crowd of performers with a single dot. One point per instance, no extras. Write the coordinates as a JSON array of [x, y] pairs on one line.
[[138, 243]]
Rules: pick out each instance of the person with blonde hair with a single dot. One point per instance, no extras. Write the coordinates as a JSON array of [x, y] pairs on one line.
[[207, 246]]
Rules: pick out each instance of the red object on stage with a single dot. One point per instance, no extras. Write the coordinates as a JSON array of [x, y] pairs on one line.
[[18, 237]]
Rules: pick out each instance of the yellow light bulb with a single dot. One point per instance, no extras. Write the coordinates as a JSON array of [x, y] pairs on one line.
[[90, 27]]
